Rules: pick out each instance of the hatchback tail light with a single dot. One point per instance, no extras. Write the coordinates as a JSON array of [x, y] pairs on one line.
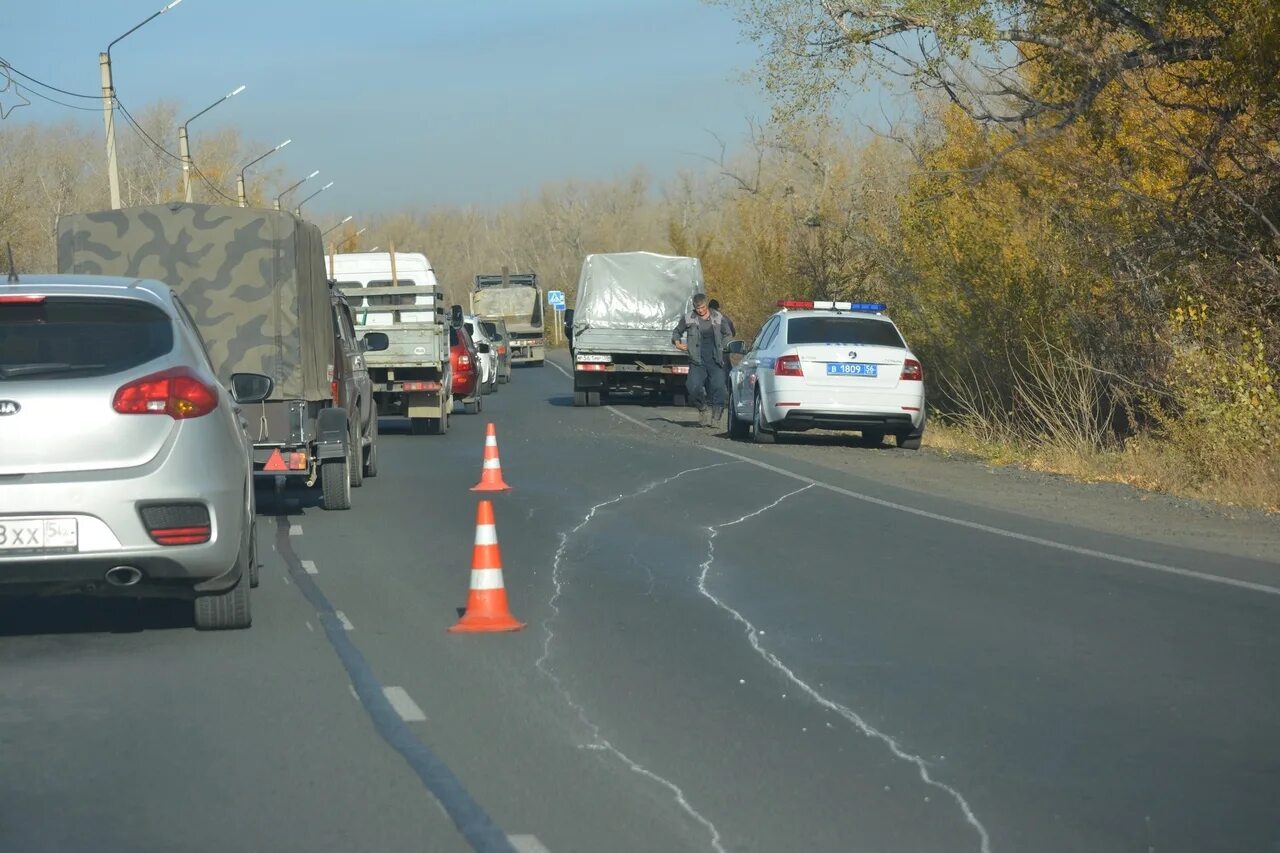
[[177, 392], [912, 371], [788, 365], [177, 524]]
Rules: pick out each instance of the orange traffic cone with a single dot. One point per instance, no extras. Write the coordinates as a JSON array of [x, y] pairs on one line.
[[487, 604], [491, 473]]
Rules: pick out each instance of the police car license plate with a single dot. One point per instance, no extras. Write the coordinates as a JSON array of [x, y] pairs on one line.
[[850, 368], [38, 535]]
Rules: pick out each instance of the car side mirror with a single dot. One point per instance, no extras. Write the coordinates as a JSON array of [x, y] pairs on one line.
[[737, 347], [374, 342], [251, 387], [455, 316], [568, 325], [482, 348]]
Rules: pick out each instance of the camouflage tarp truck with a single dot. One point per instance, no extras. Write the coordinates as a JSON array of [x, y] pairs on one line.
[[254, 284], [620, 327], [516, 299], [398, 294]]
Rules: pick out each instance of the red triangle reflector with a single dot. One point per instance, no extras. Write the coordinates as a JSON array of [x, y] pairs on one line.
[[275, 462]]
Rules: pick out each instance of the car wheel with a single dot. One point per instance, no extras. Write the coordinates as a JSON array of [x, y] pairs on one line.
[[471, 407], [579, 398], [254, 567], [679, 399], [479, 403], [225, 611], [738, 429], [593, 398], [335, 483], [761, 433], [355, 462], [505, 379], [910, 441], [872, 438], [493, 386], [371, 454]]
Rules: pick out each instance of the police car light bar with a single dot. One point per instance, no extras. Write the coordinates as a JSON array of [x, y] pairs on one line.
[[809, 305]]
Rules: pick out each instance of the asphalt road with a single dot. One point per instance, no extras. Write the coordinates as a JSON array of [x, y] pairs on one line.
[[812, 647]]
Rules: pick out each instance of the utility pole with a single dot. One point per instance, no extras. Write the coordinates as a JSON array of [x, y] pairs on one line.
[[108, 118], [184, 154]]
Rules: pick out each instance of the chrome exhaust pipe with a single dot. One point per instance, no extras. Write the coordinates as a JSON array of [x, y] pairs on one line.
[[123, 576]]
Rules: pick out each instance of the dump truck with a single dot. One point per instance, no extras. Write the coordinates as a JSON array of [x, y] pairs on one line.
[[253, 284], [397, 293], [619, 329], [516, 299]]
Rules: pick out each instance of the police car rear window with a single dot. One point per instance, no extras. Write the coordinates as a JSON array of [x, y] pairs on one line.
[[862, 331], [75, 337]]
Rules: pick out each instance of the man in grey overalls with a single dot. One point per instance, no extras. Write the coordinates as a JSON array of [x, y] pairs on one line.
[[706, 331]]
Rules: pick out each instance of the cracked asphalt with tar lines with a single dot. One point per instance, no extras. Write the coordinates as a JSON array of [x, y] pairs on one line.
[[812, 647]]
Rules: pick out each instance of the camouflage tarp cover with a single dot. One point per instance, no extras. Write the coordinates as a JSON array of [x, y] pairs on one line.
[[254, 281]]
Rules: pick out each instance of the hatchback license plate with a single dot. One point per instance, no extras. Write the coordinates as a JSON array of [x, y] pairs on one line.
[[38, 535], [850, 368]]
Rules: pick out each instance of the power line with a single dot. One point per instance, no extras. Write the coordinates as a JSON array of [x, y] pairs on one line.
[[160, 148], [211, 185], [4, 63], [36, 94]]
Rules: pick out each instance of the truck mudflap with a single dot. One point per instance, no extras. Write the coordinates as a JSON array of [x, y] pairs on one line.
[[331, 434]]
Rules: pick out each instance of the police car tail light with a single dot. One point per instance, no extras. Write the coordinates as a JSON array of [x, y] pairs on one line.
[[788, 365], [912, 371]]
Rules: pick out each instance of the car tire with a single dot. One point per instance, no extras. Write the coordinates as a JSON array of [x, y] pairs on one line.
[[371, 454], [335, 483], [579, 399], [738, 429], [471, 407], [254, 567], [593, 398], [910, 441], [872, 438], [760, 433], [504, 379], [355, 462], [225, 611]]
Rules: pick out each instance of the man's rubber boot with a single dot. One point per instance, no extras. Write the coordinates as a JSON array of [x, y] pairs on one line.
[[704, 416], [717, 415]]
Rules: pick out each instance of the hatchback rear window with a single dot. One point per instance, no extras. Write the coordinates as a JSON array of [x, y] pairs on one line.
[[843, 330], [490, 329], [77, 336]]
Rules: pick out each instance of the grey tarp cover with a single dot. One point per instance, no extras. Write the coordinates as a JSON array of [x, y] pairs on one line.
[[253, 280], [635, 290]]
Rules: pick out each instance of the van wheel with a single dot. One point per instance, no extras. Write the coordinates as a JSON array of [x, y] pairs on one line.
[[225, 611], [355, 461], [371, 454], [335, 483], [579, 398], [761, 433]]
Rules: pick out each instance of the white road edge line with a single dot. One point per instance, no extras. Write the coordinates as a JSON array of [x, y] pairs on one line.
[[1000, 531], [309, 566], [753, 637], [625, 417], [527, 844], [346, 623], [404, 705]]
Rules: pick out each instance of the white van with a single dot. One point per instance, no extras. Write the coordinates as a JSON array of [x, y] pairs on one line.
[[370, 269]]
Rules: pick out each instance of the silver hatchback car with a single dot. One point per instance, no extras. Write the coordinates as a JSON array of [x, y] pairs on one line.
[[124, 466]]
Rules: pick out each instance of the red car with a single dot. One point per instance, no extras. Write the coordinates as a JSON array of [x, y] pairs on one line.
[[463, 355]]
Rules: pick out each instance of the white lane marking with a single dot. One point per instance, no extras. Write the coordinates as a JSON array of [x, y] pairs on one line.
[[1000, 531], [598, 741], [310, 627], [309, 566], [285, 578], [352, 688], [295, 529], [527, 844], [346, 623], [753, 637], [404, 704], [649, 427]]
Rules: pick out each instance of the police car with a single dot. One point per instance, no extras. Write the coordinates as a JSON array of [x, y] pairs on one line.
[[827, 365]]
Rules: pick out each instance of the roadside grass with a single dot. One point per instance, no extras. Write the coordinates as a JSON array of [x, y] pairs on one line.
[[1246, 479]]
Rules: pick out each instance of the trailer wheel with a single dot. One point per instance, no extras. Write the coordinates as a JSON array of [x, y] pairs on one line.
[[335, 484], [579, 398]]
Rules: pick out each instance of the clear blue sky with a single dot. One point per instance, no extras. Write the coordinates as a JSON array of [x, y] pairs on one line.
[[408, 103]]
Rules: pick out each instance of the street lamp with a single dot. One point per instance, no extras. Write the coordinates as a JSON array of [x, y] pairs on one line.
[[294, 187], [336, 227], [298, 210], [184, 144], [244, 200], [108, 106], [354, 236]]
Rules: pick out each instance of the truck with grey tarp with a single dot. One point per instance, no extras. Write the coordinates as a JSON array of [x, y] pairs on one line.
[[254, 284], [619, 329], [516, 299]]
